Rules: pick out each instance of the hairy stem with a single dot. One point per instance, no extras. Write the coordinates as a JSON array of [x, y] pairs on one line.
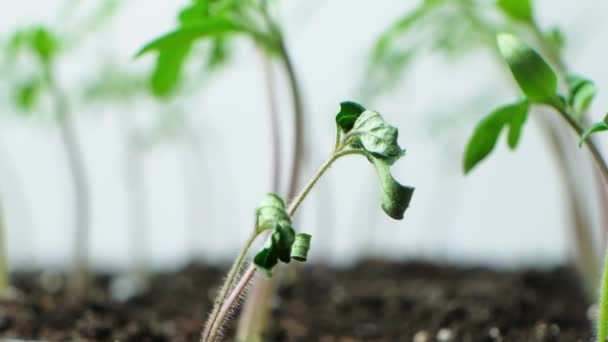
[[211, 328]]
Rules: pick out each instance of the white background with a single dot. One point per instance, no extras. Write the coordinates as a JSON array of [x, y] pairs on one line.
[[509, 211]]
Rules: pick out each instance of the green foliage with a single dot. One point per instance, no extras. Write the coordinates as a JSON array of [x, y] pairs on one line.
[[38, 40], [517, 9], [214, 22], [488, 130], [377, 140], [271, 214], [581, 92], [371, 133], [301, 246], [598, 127], [26, 95], [348, 114], [534, 76]]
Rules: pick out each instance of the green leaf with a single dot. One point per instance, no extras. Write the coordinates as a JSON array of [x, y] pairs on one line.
[[265, 260], [598, 127], [168, 69], [187, 34], [394, 197], [26, 95], [348, 114], [517, 9], [581, 93], [534, 76], [271, 213], [300, 247], [282, 240], [371, 133], [44, 43], [486, 132]]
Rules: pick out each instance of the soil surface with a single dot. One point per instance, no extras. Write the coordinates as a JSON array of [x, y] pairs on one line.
[[374, 301]]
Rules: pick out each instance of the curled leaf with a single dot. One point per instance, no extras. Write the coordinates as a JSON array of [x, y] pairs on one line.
[[486, 132], [534, 76], [265, 261], [371, 133], [348, 114], [301, 246], [282, 240], [271, 213], [394, 197]]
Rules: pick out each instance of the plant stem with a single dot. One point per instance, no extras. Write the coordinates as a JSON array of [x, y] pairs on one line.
[[211, 328], [298, 120], [602, 320], [3, 264], [595, 152], [80, 271]]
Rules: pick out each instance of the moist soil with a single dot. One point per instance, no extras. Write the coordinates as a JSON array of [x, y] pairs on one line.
[[373, 301]]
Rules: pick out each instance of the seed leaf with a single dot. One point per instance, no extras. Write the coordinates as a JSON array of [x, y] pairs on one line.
[[26, 95], [581, 93], [534, 76], [282, 240], [371, 133], [517, 9], [348, 114], [187, 34], [486, 132], [394, 197], [265, 260]]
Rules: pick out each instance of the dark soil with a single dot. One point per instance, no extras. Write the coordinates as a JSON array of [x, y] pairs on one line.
[[375, 301]]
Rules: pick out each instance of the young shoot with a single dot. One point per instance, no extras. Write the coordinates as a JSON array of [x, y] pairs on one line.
[[539, 86], [358, 132]]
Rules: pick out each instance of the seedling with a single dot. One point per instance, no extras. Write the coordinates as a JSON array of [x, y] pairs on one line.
[[538, 84], [358, 132], [44, 46]]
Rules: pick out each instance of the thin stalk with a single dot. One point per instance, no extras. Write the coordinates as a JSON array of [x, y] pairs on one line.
[[273, 120], [224, 305], [298, 120], [211, 328], [80, 271], [602, 320], [4, 289]]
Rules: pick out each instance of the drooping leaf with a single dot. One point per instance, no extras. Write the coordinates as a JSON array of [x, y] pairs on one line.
[[271, 213], [394, 197], [371, 133], [300, 247], [598, 127], [348, 114], [534, 76], [581, 93], [168, 69], [517, 9], [186, 35], [487, 131]]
